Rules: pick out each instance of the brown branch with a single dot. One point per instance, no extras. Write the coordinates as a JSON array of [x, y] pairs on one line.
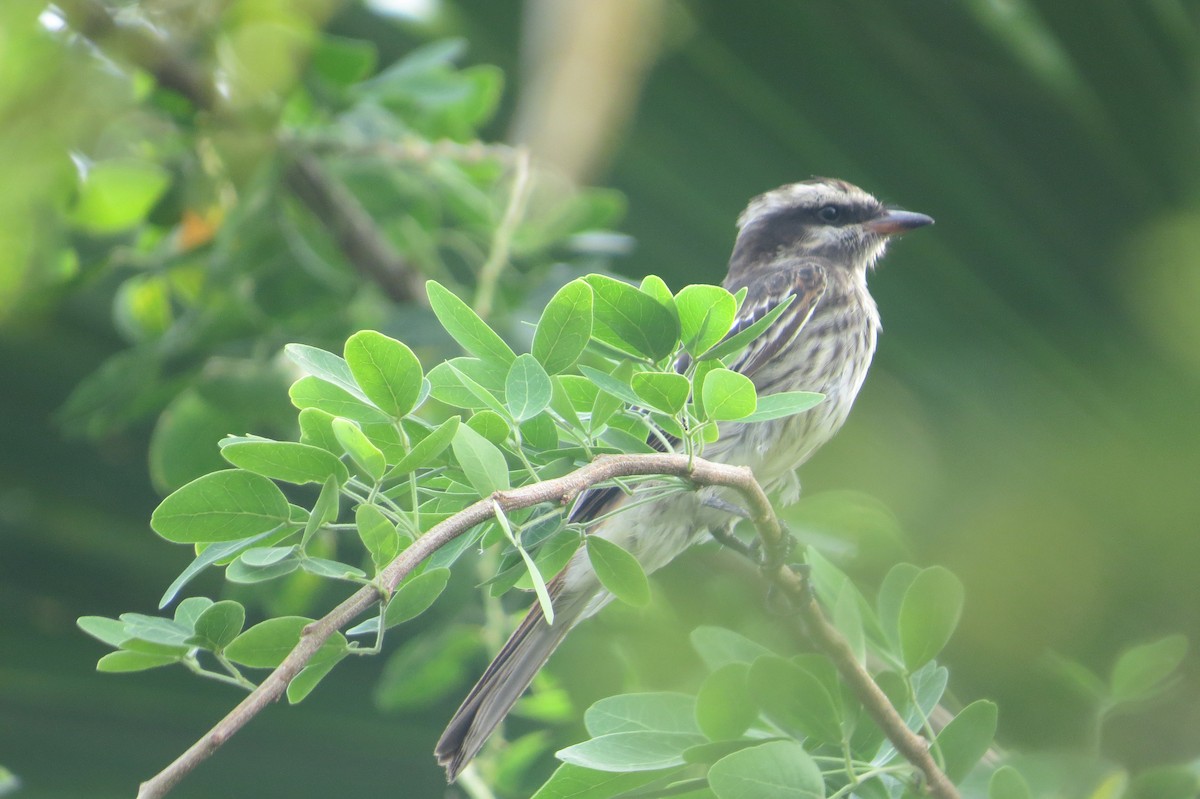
[[560, 491], [352, 228], [333, 206]]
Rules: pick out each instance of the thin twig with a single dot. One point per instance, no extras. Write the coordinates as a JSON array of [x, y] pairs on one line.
[[562, 490], [489, 273]]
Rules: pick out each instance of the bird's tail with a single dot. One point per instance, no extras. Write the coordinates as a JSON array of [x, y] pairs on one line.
[[503, 682]]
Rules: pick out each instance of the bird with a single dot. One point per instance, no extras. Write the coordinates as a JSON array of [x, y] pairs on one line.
[[814, 241]]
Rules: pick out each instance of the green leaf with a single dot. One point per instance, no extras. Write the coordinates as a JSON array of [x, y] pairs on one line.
[[327, 367], [208, 557], [222, 506], [705, 316], [1161, 782], [266, 644], [490, 425], [619, 571], [334, 569], [365, 455], [267, 556], [220, 624], [847, 618], [796, 698], [155, 629], [415, 596], [740, 339], [575, 782], [325, 510], [1077, 676], [316, 430], [481, 461], [378, 534], [313, 392], [118, 194], [386, 370], [242, 572], [891, 598], [728, 395], [966, 738], [718, 646], [189, 610], [665, 391], [631, 751], [654, 286], [724, 708], [1007, 783], [123, 661], [540, 433], [784, 403], [661, 711], [1140, 671], [303, 683], [465, 326], [425, 450], [105, 630], [343, 61], [284, 460], [566, 325], [774, 770], [928, 615], [630, 320], [488, 397], [527, 389], [611, 385]]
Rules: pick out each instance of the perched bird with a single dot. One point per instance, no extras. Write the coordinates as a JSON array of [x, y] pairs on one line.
[[815, 240]]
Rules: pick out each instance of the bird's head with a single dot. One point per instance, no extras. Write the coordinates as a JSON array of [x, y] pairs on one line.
[[823, 217]]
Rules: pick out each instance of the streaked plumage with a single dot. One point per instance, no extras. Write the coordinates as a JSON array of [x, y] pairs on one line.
[[815, 240]]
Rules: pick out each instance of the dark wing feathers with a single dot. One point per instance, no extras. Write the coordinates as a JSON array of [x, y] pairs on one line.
[[806, 281]]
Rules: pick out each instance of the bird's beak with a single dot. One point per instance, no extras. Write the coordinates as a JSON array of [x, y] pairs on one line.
[[894, 221]]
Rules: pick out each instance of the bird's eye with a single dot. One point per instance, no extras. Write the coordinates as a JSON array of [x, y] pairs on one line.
[[829, 213]]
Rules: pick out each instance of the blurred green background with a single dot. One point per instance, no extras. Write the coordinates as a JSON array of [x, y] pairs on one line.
[[1032, 420]]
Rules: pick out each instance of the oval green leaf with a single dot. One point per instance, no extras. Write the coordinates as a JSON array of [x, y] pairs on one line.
[[928, 615], [705, 316], [360, 449], [565, 327], [619, 571], [481, 461], [425, 450], [784, 403], [664, 391], [967, 738], [288, 461], [631, 751], [266, 644], [415, 595], [222, 506], [219, 624], [728, 395], [774, 770], [465, 326], [527, 390], [664, 711], [386, 370], [626, 318], [1141, 671], [724, 708], [313, 392]]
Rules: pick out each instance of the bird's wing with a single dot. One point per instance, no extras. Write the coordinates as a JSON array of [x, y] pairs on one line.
[[806, 282]]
